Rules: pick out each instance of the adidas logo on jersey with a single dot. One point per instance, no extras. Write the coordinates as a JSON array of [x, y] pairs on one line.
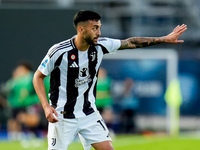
[[74, 65]]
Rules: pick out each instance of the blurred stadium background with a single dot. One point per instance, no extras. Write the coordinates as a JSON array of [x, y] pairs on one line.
[[28, 28]]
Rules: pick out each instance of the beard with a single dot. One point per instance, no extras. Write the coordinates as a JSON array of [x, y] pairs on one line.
[[90, 40]]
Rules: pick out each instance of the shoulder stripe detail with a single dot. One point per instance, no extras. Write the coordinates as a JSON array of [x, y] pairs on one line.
[[59, 47]]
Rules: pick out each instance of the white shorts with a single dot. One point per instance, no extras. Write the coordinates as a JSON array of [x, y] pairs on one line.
[[91, 129]]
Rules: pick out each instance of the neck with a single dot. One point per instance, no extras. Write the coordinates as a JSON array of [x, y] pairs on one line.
[[81, 44]]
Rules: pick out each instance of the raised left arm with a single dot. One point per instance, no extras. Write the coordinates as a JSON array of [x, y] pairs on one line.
[[139, 42]]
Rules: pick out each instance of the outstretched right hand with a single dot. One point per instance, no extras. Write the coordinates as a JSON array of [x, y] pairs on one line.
[[51, 114], [174, 35]]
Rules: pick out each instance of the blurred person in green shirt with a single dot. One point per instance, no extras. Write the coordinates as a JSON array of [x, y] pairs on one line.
[[23, 101], [20, 88], [103, 97]]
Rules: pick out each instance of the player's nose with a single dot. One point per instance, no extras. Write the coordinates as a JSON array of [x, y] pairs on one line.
[[98, 32]]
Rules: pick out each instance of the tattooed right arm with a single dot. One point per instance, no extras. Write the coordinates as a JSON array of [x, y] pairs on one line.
[[138, 42]]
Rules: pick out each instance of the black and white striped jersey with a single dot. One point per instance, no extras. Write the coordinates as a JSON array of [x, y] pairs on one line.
[[73, 75]]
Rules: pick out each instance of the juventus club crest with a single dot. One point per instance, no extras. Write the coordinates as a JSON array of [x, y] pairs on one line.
[[93, 56]]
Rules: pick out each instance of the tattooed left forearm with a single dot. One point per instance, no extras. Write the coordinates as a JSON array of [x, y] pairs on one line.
[[139, 42]]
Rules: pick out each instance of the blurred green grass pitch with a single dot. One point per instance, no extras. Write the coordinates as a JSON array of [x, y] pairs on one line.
[[123, 142]]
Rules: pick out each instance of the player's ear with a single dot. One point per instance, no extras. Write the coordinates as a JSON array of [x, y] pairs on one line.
[[80, 29]]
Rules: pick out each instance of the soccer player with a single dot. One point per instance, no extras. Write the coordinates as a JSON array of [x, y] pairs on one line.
[[73, 67]]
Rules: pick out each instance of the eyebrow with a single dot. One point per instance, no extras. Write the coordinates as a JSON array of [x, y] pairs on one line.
[[97, 25]]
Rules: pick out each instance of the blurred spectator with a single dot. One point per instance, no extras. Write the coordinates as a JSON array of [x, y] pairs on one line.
[[103, 97], [23, 101], [129, 106]]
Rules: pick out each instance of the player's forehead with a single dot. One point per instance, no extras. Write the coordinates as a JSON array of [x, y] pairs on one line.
[[94, 23]]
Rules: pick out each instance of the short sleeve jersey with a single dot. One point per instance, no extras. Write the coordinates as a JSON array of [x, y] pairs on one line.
[[73, 75]]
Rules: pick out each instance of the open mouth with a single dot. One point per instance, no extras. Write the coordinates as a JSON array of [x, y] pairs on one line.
[[96, 38]]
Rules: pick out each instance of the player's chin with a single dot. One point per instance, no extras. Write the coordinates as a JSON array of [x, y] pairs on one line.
[[95, 42]]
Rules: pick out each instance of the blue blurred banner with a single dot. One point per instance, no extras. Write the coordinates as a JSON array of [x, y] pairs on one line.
[[150, 83]]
